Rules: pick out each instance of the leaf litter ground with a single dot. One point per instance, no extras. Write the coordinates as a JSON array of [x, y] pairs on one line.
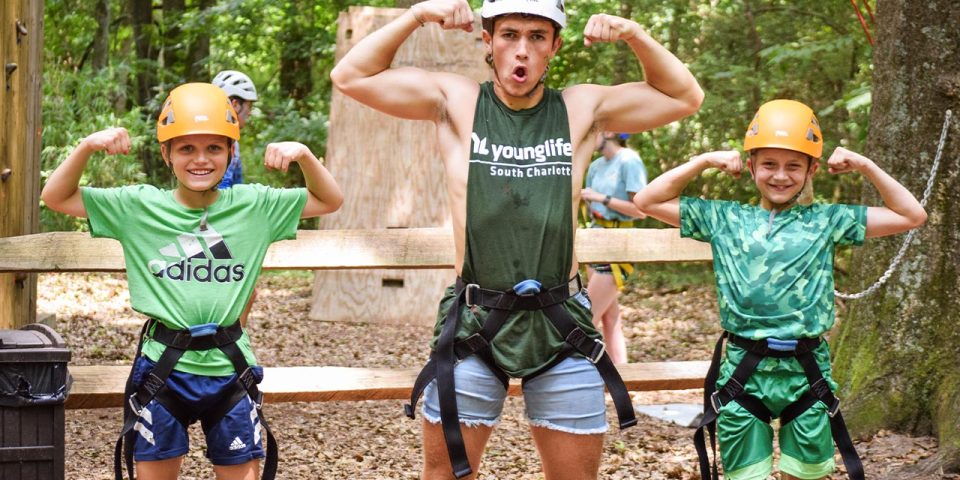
[[373, 439]]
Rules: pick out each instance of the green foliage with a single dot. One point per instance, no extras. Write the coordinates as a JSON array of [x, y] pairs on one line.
[[742, 52]]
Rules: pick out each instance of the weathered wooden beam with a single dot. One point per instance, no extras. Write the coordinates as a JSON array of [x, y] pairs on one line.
[[21, 48], [347, 249], [102, 386]]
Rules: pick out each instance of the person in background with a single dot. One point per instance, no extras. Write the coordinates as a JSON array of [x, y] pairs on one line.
[[612, 181], [242, 93]]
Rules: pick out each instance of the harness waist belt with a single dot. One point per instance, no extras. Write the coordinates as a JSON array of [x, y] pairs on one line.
[[501, 305]]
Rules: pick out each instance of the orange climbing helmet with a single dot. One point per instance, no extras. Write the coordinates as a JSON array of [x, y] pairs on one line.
[[785, 124], [194, 108]]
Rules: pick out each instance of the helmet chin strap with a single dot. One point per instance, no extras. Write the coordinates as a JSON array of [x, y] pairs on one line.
[[542, 81]]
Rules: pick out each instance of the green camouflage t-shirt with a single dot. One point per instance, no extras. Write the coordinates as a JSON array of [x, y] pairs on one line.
[[773, 279], [184, 275]]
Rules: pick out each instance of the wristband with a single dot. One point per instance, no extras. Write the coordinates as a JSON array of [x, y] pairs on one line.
[[606, 200]]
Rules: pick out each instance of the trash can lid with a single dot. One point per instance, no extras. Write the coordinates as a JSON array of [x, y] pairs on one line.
[[36, 335], [36, 340]]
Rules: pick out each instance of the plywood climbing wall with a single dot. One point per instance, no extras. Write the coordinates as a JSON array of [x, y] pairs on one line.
[[391, 177]]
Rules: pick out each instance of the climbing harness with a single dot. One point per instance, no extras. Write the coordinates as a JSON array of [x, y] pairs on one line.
[[734, 390], [526, 295], [620, 271], [909, 237], [153, 387]]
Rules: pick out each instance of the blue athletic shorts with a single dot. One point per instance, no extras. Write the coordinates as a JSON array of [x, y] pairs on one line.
[[569, 397], [234, 440]]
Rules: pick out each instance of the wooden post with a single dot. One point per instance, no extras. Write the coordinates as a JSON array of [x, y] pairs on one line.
[[392, 178], [21, 51]]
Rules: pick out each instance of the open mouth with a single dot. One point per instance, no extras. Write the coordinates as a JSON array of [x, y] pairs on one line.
[[520, 74], [200, 172]]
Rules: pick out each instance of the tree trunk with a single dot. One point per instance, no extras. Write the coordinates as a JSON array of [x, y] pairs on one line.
[[296, 54], [199, 50], [174, 53], [897, 351], [101, 39], [141, 19], [146, 42]]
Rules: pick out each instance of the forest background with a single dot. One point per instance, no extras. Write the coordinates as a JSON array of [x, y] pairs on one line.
[[111, 63]]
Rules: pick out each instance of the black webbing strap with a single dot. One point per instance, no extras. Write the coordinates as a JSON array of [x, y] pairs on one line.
[[153, 387], [714, 399], [476, 344], [153, 383], [838, 428], [129, 419], [733, 390], [248, 382], [501, 304], [447, 392], [708, 422], [595, 352]]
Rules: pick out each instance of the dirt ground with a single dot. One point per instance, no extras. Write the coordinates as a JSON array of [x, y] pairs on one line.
[[373, 439]]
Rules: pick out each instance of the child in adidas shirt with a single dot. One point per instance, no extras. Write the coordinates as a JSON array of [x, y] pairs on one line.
[[193, 255]]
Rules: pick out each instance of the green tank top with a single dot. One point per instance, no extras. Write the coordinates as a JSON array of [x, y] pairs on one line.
[[519, 222]]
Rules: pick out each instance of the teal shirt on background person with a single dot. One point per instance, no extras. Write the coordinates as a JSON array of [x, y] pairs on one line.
[[617, 177]]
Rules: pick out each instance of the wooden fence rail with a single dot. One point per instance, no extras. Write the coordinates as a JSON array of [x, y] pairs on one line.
[[102, 386]]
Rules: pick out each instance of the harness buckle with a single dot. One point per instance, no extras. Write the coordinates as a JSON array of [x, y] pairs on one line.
[[247, 380], [715, 402], [833, 410], [469, 295], [135, 404], [599, 349]]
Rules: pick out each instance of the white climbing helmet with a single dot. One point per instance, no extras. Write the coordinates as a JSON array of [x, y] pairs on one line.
[[550, 9], [236, 84]]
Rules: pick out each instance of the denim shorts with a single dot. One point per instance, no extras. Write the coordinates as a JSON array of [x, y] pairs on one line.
[[233, 440], [569, 397]]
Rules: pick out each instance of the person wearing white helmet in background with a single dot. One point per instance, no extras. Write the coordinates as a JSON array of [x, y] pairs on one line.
[[515, 162], [242, 93]]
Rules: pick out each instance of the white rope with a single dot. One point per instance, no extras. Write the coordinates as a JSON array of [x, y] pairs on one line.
[[906, 241]]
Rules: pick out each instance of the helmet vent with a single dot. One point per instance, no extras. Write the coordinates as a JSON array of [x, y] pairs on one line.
[[168, 119], [812, 136]]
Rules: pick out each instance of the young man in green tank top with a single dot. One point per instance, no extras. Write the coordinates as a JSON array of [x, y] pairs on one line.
[[515, 162]]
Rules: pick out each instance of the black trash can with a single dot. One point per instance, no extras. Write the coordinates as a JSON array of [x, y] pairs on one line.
[[34, 384]]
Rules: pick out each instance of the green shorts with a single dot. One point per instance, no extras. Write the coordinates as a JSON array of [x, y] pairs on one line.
[[746, 442]]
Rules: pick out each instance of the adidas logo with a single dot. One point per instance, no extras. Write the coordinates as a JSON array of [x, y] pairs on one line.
[[237, 444], [197, 251]]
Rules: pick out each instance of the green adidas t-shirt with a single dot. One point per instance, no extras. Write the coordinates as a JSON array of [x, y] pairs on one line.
[[773, 279], [184, 276]]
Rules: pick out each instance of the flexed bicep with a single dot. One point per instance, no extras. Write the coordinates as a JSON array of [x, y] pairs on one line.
[[408, 92]]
